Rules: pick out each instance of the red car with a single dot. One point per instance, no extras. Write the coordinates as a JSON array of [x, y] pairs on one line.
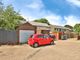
[[40, 39]]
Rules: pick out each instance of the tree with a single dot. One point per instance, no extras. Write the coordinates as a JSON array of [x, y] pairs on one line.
[[1, 7], [77, 29], [1, 12], [42, 20], [10, 18], [68, 26]]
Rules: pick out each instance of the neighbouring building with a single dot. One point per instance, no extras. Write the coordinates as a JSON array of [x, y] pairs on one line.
[[59, 31], [26, 29]]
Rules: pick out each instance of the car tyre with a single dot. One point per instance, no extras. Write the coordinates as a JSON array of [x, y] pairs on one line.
[[35, 45], [52, 42]]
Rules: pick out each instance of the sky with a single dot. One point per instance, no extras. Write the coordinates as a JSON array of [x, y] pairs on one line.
[[58, 12]]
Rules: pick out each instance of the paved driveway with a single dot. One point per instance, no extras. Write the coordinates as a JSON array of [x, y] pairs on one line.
[[62, 50]]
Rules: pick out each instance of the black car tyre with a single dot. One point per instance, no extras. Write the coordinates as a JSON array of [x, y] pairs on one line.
[[52, 43], [35, 45]]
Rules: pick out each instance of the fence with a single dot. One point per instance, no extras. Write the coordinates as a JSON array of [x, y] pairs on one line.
[[8, 37]]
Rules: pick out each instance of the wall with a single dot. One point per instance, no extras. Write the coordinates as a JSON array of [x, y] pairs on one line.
[[40, 29], [26, 26]]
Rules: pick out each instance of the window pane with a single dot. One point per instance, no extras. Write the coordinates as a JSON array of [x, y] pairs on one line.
[[46, 36], [40, 36]]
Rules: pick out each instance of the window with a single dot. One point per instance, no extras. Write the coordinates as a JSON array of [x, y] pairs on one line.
[[55, 29], [46, 36], [52, 36], [40, 36], [59, 30]]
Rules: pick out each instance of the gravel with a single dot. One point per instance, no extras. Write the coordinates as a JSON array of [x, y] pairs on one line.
[[62, 50]]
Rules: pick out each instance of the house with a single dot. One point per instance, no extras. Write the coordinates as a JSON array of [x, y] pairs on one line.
[[28, 28], [59, 31]]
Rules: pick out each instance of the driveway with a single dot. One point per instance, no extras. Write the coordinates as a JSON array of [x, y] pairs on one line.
[[62, 50]]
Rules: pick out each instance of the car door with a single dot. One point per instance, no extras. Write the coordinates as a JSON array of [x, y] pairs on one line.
[[40, 39], [46, 39]]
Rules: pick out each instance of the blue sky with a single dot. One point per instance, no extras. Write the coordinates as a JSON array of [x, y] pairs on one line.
[[58, 12]]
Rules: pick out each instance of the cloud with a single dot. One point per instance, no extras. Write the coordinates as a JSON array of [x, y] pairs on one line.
[[51, 17], [54, 19], [28, 18], [74, 2], [36, 9], [35, 4], [7, 2], [72, 20]]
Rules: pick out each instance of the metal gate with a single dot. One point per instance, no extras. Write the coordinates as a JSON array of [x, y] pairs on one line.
[[24, 35]]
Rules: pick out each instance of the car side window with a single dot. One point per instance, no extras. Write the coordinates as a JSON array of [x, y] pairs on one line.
[[52, 36], [46, 36], [40, 36]]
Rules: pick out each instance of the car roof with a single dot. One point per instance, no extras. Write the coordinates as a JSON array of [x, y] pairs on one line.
[[38, 34]]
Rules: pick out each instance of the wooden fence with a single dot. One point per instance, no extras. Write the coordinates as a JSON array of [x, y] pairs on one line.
[[8, 37]]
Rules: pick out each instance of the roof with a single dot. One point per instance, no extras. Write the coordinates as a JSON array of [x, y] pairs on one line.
[[39, 24], [36, 23], [62, 27]]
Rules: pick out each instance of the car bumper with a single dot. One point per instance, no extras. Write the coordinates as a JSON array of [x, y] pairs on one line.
[[30, 43]]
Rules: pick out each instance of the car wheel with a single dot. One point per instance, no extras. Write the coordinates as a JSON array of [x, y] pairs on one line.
[[52, 43], [35, 45]]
